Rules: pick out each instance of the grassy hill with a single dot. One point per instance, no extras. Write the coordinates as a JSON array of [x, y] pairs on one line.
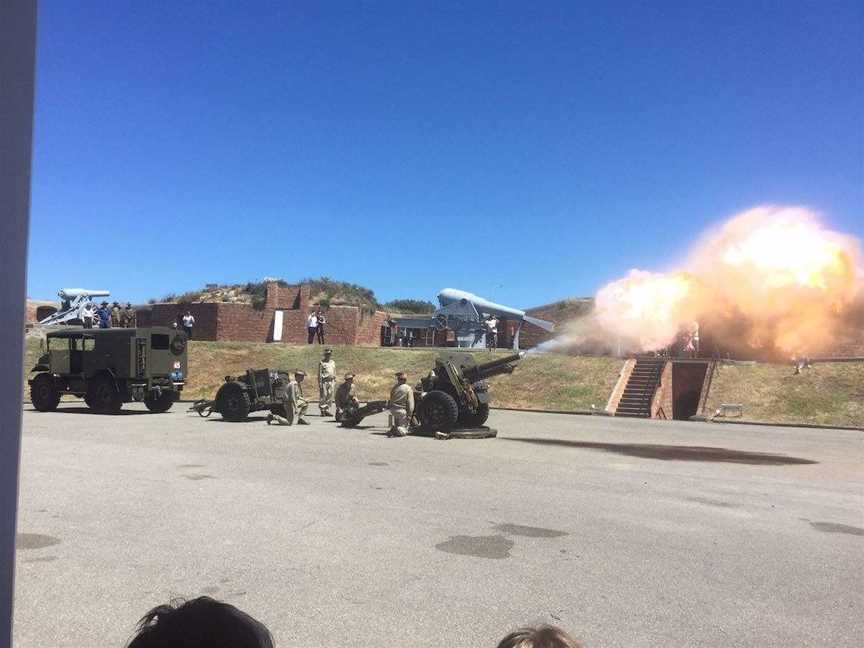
[[540, 382], [831, 393]]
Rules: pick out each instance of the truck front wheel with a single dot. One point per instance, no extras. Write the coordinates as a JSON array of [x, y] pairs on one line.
[[44, 393]]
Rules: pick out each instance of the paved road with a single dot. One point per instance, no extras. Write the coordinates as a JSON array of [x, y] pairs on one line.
[[627, 533]]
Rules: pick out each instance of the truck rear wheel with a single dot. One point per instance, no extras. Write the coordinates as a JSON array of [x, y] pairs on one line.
[[102, 395], [438, 412], [161, 403], [44, 393], [233, 402]]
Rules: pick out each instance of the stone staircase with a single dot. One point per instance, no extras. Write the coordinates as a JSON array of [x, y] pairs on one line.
[[641, 386]]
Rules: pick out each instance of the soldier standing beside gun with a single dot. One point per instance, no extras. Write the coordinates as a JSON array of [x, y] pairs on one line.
[[291, 396], [345, 398], [129, 320], [401, 405], [115, 315], [326, 380]]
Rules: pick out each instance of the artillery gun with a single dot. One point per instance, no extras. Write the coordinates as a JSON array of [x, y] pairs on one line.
[[241, 395], [72, 305], [455, 394]]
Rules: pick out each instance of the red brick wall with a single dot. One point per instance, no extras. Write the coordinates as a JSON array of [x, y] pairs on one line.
[[243, 323]]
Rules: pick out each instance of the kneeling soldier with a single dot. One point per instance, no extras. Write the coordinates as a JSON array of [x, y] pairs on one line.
[[346, 401], [401, 405], [291, 396]]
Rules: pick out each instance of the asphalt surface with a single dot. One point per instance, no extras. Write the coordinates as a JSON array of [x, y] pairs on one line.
[[626, 533]]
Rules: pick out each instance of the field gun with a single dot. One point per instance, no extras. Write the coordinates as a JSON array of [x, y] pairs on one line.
[[455, 394], [240, 395]]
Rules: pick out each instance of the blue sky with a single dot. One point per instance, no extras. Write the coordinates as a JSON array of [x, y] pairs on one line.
[[523, 151]]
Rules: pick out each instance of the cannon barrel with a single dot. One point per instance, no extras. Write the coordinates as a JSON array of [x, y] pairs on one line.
[[486, 370]]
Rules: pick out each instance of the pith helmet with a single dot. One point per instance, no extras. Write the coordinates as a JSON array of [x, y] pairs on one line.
[[299, 372], [349, 376], [401, 374]]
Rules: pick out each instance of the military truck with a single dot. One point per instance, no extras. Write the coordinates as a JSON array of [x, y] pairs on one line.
[[109, 367]]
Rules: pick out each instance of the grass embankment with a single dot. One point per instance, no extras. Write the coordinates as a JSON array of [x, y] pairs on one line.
[[831, 393], [540, 382]]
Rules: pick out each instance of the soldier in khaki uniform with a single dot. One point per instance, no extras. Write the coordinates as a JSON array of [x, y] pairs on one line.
[[116, 315], [291, 395], [326, 382], [345, 398], [401, 405], [129, 316]]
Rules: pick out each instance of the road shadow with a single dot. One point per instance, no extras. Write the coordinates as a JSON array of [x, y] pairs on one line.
[[251, 419], [674, 452], [87, 410]]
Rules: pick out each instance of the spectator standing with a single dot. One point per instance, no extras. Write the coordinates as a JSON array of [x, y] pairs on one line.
[[104, 316], [322, 321], [188, 323], [311, 327], [88, 313], [492, 332]]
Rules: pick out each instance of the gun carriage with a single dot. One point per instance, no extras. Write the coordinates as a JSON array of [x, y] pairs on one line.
[[239, 396]]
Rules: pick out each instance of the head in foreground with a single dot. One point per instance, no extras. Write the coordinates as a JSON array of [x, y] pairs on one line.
[[200, 623], [543, 636]]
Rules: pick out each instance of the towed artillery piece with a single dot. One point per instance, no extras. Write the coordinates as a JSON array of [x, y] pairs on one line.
[[240, 395], [455, 394]]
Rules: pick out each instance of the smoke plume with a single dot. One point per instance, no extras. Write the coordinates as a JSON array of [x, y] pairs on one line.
[[771, 278]]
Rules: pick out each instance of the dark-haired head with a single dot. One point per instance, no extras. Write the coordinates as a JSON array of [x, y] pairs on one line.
[[543, 636], [200, 623]]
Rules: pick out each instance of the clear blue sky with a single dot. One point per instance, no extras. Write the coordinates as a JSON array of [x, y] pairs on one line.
[[523, 151]]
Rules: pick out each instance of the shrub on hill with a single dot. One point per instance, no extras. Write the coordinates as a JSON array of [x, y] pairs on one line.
[[418, 306]]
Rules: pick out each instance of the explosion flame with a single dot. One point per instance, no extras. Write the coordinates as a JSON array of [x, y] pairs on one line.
[[774, 277]]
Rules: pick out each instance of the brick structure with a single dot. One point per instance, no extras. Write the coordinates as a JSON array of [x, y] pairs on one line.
[[560, 313], [244, 323]]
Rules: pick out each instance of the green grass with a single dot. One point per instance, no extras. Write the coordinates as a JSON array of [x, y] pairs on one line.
[[830, 393]]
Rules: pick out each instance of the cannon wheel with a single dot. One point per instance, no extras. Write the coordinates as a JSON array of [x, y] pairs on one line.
[[438, 412], [350, 421], [102, 395], [233, 400], [160, 404], [470, 419]]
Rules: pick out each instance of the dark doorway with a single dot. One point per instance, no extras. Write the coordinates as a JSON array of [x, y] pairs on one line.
[[687, 379]]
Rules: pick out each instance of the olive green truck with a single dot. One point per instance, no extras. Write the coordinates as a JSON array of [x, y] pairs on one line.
[[109, 367]]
